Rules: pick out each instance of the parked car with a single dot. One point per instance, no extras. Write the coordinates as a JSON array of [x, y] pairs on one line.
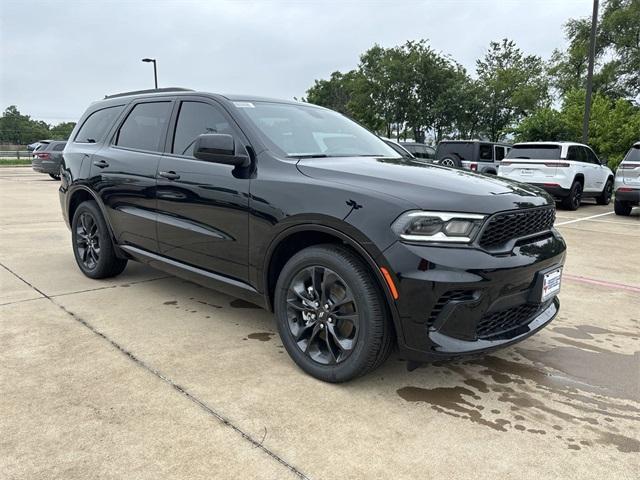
[[399, 149], [420, 150], [568, 171], [627, 182], [47, 157], [302, 211], [474, 155]]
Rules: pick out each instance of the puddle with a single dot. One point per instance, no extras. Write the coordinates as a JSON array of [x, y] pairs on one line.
[[615, 373], [239, 303], [262, 336]]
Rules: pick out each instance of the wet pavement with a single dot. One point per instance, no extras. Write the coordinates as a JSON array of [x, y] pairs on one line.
[[149, 376]]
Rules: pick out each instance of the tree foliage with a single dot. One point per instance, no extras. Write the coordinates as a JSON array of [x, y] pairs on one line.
[[19, 129]]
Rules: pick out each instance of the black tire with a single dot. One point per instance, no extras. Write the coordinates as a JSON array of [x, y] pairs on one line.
[[605, 197], [622, 208], [452, 161], [572, 201], [92, 244], [368, 334], [54, 176]]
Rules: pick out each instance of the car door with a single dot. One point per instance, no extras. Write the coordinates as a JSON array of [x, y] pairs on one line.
[[124, 172], [599, 172], [203, 206]]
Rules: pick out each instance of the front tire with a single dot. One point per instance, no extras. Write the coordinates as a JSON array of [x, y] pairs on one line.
[[605, 197], [622, 208], [92, 245], [331, 315], [572, 201]]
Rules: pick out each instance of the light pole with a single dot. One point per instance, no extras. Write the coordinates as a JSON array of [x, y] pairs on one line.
[[155, 72], [592, 54]]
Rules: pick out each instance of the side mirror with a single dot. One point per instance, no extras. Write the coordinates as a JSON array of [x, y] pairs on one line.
[[218, 148]]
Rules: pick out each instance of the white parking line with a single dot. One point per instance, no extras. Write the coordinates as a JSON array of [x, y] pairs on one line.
[[581, 219]]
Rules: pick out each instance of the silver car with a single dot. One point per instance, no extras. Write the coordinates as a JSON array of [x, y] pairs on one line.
[[627, 182]]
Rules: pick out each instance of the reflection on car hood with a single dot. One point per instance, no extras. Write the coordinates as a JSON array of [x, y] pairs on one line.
[[430, 187]]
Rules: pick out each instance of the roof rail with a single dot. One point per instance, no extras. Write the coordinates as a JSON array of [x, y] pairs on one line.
[[153, 90]]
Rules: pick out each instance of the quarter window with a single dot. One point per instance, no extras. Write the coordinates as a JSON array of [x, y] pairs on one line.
[[196, 118], [485, 152], [143, 128], [96, 125], [59, 147]]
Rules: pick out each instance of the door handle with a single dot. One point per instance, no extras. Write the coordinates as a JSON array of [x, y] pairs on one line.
[[169, 175], [101, 164]]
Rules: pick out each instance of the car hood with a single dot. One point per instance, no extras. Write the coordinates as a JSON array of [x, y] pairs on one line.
[[429, 187]]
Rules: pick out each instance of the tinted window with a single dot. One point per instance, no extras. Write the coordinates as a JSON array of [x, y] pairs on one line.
[[94, 128], [431, 152], [578, 154], [144, 126], [42, 146], [403, 153], [196, 118], [486, 152], [59, 147], [462, 150], [633, 155], [591, 157], [301, 130], [539, 152], [499, 153]]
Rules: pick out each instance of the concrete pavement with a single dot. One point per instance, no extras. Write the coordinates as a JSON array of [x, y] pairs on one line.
[[149, 376]]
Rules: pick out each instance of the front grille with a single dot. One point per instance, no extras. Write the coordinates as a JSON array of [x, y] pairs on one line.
[[504, 227], [498, 322], [452, 296]]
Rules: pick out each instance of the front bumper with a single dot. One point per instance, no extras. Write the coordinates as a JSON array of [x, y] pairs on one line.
[[458, 301]]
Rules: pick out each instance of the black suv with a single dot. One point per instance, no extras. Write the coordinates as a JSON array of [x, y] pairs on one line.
[[300, 210], [474, 155]]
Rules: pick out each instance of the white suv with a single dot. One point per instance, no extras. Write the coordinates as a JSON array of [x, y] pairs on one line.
[[568, 171], [627, 184]]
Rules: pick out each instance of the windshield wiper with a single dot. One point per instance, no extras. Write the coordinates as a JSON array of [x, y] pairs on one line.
[[308, 155]]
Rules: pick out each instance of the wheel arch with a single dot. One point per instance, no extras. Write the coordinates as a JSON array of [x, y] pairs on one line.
[[579, 177], [82, 194], [296, 238]]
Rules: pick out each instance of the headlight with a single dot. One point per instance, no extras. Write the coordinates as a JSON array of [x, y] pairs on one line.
[[418, 226]]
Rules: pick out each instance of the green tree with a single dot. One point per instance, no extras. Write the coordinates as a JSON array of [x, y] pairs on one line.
[[545, 124], [512, 85], [617, 58], [21, 129], [62, 130]]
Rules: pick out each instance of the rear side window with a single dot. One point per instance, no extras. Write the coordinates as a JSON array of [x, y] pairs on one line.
[[633, 155], [42, 147], [499, 153], [539, 152], [194, 119], [144, 126], [96, 125], [485, 152], [59, 147], [591, 157], [577, 154]]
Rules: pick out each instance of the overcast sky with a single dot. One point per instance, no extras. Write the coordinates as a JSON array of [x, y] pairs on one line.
[[58, 56]]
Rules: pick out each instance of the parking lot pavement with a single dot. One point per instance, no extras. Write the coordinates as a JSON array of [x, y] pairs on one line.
[[150, 376]]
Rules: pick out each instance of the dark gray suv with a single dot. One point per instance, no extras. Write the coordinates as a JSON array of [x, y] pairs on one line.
[[47, 157]]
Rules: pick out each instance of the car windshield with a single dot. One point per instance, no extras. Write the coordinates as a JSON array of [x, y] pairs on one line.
[[539, 152], [308, 131], [633, 155]]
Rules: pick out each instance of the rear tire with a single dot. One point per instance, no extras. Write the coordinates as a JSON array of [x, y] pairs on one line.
[[451, 162], [622, 208], [572, 201], [605, 197], [331, 315], [92, 245]]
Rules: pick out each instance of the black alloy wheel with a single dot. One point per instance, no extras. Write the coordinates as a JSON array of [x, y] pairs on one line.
[[88, 241], [92, 244], [605, 197], [572, 202], [332, 314], [322, 315]]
